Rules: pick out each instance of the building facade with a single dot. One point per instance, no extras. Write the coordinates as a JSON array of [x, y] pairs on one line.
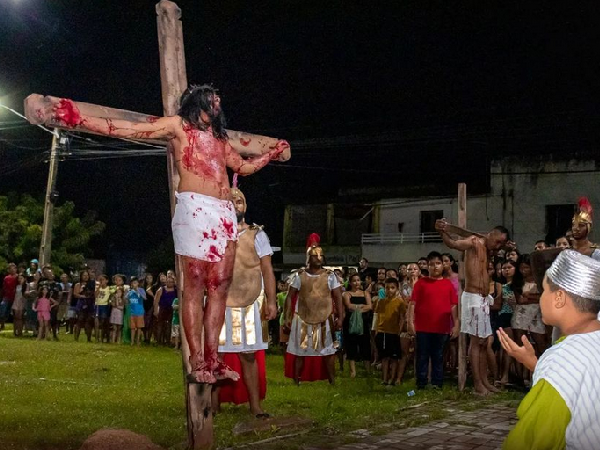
[[534, 198]]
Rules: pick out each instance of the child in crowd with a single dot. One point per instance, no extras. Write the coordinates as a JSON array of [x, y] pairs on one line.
[[391, 313], [175, 328], [561, 410], [433, 315], [116, 314], [65, 298], [19, 306], [42, 307], [102, 297], [136, 305], [31, 323]]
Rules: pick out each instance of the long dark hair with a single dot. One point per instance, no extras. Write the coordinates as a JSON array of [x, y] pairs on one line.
[[517, 282], [196, 99]]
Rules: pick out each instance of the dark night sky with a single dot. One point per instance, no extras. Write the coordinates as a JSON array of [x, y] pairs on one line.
[[368, 93]]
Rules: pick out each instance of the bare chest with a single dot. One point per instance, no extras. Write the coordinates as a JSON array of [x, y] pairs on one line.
[[202, 154]]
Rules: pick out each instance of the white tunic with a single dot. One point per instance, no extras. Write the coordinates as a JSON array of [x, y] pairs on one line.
[[572, 367]]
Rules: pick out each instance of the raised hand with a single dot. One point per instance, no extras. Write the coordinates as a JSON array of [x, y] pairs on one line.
[[441, 225], [67, 113], [524, 354], [281, 152]]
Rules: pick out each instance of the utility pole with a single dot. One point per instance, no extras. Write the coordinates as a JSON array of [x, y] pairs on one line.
[[46, 244]]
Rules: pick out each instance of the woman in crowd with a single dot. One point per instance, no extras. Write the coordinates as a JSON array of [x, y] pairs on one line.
[[413, 275], [402, 273], [513, 255], [84, 293], [19, 306], [562, 242], [357, 346], [510, 289], [163, 310], [150, 288], [527, 318]]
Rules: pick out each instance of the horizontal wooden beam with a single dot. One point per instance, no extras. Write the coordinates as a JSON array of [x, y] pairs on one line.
[[38, 110]]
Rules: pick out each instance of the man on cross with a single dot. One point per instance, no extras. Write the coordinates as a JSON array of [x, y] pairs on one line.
[[475, 299], [204, 223]]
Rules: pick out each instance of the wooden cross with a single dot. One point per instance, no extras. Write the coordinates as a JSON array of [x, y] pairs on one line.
[[173, 83]]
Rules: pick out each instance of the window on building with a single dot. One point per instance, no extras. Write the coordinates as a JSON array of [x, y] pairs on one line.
[[558, 220], [428, 219]]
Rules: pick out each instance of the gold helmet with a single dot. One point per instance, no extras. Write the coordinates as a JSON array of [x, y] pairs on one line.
[[585, 213], [312, 246], [236, 193]]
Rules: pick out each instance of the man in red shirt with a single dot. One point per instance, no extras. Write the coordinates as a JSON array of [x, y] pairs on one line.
[[432, 316], [9, 286]]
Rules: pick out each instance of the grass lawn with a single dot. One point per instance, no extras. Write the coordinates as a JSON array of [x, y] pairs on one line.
[[55, 394]]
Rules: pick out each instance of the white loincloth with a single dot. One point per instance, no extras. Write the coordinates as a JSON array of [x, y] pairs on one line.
[[202, 225], [243, 329], [475, 314]]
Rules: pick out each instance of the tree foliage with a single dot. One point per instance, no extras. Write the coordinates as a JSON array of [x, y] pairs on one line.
[[21, 220]]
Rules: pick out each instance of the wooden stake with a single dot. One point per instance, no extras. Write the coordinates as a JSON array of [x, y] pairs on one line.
[[173, 82], [462, 338]]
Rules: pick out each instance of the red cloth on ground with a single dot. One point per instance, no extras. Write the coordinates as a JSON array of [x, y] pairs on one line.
[[433, 301], [235, 391]]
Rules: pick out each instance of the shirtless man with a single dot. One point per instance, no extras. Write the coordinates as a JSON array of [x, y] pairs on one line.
[[475, 300], [204, 224]]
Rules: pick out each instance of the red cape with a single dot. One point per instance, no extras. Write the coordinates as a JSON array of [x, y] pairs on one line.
[[235, 391]]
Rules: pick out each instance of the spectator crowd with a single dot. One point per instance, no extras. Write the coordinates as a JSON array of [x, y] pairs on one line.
[[395, 317], [109, 310]]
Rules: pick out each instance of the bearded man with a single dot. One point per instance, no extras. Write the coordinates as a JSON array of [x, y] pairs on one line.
[[251, 298], [204, 229]]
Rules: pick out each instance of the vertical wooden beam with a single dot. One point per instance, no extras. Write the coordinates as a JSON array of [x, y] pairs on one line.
[[173, 82], [462, 338]]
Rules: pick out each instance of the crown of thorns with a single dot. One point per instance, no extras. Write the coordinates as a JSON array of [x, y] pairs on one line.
[[204, 87]]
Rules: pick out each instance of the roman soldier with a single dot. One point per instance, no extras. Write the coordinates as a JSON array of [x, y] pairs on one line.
[[250, 299]]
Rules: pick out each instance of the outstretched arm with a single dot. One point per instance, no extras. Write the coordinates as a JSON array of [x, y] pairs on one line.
[[66, 112], [249, 166], [443, 227]]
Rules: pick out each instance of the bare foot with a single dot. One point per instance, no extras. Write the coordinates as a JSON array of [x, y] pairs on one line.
[[492, 389], [352, 374], [480, 391], [224, 372], [201, 377]]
